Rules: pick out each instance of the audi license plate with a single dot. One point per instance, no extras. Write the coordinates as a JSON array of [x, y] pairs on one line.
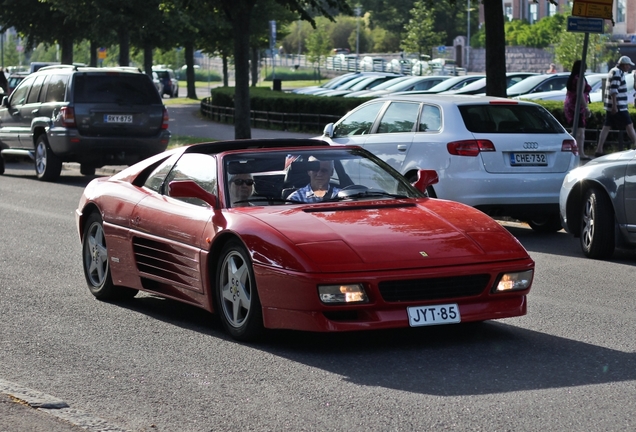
[[118, 118], [433, 315], [528, 159]]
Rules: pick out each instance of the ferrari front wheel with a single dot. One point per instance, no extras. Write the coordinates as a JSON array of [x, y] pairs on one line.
[[237, 301], [96, 266]]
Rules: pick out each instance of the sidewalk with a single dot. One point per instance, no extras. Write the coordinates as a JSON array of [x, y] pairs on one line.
[[186, 120]]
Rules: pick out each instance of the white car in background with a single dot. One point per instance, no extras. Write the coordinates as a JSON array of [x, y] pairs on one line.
[[596, 94], [504, 157]]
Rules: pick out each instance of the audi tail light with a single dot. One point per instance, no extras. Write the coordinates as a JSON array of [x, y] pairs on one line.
[[569, 145], [67, 115], [470, 147]]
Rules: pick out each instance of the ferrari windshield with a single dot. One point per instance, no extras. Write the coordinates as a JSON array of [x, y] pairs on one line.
[[310, 176]]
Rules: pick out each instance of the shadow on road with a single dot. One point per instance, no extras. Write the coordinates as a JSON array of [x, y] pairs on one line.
[[454, 360]]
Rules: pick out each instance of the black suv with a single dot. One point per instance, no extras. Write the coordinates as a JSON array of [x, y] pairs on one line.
[[94, 116]]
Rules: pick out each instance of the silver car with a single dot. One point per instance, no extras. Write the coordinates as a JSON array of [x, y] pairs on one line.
[[504, 157], [598, 204]]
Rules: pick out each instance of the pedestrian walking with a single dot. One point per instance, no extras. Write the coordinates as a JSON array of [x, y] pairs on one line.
[[4, 84], [616, 114], [569, 107]]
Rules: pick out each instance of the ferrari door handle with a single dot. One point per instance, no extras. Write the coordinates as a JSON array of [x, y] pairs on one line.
[[402, 147], [135, 221], [35, 111]]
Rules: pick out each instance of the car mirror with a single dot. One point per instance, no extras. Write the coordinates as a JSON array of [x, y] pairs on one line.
[[328, 131], [425, 178], [5, 101], [190, 189]]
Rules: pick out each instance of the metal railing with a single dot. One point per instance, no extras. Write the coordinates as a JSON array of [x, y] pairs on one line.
[[269, 119]]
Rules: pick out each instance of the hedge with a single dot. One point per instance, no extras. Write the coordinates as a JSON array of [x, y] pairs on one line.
[[264, 99]]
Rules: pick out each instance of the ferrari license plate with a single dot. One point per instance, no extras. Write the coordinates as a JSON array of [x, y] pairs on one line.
[[528, 159], [118, 118], [433, 315]]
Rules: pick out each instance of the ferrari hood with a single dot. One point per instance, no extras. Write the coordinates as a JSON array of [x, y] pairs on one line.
[[378, 235]]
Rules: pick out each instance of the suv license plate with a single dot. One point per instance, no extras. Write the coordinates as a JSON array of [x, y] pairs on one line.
[[528, 159], [433, 315], [113, 118]]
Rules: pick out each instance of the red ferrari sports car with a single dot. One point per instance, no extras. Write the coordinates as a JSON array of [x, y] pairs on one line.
[[293, 234]]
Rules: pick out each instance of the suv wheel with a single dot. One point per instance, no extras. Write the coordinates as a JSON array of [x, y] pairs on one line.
[[48, 166], [1, 165]]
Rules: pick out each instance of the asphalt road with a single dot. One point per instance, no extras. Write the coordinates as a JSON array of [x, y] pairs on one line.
[[155, 365]]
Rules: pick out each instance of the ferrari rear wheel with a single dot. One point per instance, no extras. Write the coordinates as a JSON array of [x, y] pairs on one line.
[[96, 266], [237, 302], [597, 225]]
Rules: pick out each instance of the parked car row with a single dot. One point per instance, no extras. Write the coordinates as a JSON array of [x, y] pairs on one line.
[[376, 84]]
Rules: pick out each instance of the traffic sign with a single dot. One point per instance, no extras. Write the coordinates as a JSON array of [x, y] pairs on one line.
[[593, 8], [585, 25], [441, 49]]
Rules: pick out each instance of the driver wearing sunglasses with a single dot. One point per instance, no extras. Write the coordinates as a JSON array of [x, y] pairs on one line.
[[241, 189]]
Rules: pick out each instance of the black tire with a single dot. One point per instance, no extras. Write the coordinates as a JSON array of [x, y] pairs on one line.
[[48, 166], [1, 165], [546, 224], [597, 225], [87, 170], [237, 303], [96, 265]]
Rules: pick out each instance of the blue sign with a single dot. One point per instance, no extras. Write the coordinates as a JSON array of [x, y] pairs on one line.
[[441, 49], [585, 25]]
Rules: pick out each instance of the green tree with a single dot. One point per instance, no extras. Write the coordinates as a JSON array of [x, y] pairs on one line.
[[239, 14], [570, 45], [319, 44], [420, 35]]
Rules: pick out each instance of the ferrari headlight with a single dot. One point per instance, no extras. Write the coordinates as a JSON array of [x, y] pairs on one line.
[[516, 281], [342, 294]]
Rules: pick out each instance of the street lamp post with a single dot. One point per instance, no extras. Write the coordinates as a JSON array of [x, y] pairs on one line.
[[467, 35], [358, 10]]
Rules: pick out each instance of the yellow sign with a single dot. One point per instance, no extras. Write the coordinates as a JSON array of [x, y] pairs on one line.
[[593, 8], [101, 54]]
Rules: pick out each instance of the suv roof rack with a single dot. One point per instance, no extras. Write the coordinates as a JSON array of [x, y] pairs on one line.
[[60, 66]]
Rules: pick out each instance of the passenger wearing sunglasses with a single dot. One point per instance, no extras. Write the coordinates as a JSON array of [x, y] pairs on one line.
[[318, 188], [241, 189]]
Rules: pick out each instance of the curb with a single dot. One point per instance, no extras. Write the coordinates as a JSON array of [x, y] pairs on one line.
[[56, 407]]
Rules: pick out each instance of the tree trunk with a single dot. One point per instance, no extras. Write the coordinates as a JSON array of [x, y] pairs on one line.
[[148, 58], [190, 78], [241, 25], [495, 49], [67, 50], [93, 60], [226, 82], [124, 47]]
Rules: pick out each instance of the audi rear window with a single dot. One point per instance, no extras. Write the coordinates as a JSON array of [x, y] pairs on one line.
[[124, 89], [509, 118]]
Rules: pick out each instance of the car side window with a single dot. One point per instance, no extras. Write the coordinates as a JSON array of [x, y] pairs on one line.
[[399, 117], [56, 90], [200, 168], [431, 119], [19, 95], [358, 122], [35, 89]]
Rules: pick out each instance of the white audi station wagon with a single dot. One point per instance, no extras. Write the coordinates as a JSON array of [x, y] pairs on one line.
[[505, 157]]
